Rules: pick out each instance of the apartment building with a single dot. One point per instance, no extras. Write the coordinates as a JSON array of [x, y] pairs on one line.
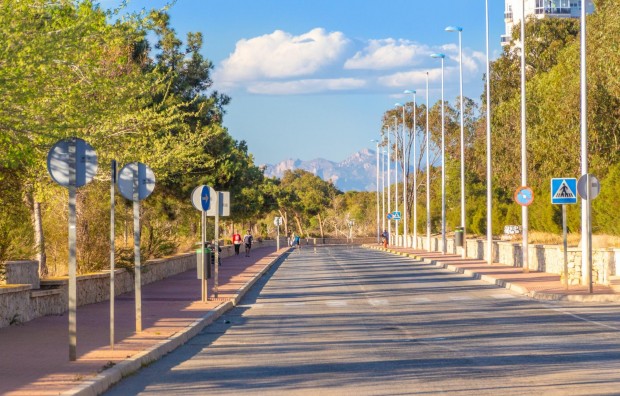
[[513, 14]]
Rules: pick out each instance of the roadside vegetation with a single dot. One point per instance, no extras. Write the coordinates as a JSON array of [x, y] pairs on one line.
[[553, 132]]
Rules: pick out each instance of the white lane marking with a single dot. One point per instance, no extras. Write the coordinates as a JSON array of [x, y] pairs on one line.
[[336, 303], [294, 304], [378, 302], [420, 300], [503, 296], [582, 318], [460, 298]]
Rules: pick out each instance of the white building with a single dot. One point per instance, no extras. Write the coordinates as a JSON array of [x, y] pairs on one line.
[[513, 15]]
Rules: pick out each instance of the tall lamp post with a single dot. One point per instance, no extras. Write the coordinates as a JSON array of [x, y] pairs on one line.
[[415, 170], [396, 175], [586, 214], [405, 164], [459, 30], [377, 189], [383, 152], [489, 164], [524, 212], [443, 158], [428, 172], [389, 186]]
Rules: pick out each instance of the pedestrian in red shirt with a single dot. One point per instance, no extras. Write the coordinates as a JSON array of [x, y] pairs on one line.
[[236, 239]]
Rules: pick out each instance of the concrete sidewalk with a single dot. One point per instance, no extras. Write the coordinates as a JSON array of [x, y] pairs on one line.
[[34, 356], [535, 284]]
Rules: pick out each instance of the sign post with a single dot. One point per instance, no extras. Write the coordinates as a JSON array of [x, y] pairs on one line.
[[220, 207], [563, 192], [277, 221], [112, 258], [72, 163], [589, 188], [201, 199], [136, 181], [524, 196]]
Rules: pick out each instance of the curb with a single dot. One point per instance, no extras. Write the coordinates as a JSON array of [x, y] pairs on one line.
[[537, 295], [107, 378]]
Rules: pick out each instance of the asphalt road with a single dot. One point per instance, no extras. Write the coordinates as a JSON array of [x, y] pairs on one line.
[[349, 321]]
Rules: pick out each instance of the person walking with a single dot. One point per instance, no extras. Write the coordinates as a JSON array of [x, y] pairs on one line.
[[385, 237], [247, 240], [296, 241], [236, 240]]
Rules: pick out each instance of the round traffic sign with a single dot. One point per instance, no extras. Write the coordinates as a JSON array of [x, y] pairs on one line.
[[524, 196], [201, 197], [390, 216], [582, 186], [72, 153], [136, 175]]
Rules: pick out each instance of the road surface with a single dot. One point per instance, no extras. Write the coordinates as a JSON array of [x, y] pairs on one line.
[[350, 321]]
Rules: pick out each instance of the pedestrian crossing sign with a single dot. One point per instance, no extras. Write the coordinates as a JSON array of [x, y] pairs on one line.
[[563, 191]]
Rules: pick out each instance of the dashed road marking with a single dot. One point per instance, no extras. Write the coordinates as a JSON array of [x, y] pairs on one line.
[[420, 300], [336, 303], [460, 298], [503, 296], [378, 302], [294, 304]]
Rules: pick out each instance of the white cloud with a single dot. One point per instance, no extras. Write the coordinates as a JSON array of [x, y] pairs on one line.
[[306, 86], [415, 79], [280, 55], [281, 63], [387, 54]]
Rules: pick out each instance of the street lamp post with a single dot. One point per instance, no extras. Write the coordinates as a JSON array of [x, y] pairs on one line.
[[389, 186], [443, 158], [460, 32], [405, 164], [377, 189], [428, 172], [415, 170], [383, 152], [524, 212], [396, 176], [489, 164], [586, 210]]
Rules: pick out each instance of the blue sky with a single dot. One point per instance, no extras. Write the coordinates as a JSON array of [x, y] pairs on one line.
[[312, 78]]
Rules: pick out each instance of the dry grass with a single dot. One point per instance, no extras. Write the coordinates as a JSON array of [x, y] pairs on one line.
[[574, 240]]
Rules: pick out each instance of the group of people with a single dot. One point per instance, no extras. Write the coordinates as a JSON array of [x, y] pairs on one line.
[[237, 240], [247, 241]]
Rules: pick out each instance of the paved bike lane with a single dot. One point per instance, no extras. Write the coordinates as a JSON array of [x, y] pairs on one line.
[[34, 355]]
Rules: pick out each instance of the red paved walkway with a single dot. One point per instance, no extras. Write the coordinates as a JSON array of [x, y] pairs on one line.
[[34, 356]]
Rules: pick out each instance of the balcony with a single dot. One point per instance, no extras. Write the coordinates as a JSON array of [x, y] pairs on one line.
[[508, 15], [506, 38], [553, 11]]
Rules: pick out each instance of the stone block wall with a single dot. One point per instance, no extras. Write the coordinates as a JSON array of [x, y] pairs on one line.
[[605, 262]]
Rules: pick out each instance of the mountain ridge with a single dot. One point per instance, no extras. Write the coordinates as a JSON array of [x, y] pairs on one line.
[[358, 172]]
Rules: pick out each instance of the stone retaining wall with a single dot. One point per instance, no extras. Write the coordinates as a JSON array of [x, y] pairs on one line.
[[26, 301], [545, 258]]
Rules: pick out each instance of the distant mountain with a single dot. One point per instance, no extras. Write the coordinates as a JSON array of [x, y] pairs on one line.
[[356, 173]]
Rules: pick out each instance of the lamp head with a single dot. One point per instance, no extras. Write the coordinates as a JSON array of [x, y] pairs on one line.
[[397, 105], [454, 29], [438, 56], [409, 91]]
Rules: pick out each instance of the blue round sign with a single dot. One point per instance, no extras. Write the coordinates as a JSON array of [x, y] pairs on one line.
[[201, 198], [524, 196]]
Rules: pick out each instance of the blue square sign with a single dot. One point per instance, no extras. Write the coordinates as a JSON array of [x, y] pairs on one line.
[[563, 191]]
